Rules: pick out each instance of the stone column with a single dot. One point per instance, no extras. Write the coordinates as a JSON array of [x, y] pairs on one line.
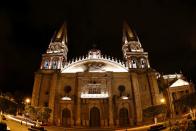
[[171, 105], [52, 98], [111, 121], [137, 97], [102, 123], [154, 88], [109, 86], [78, 120], [36, 89], [50, 63]]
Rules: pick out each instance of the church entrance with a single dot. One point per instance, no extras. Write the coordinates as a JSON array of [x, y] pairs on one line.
[[94, 117], [123, 117], [66, 117]]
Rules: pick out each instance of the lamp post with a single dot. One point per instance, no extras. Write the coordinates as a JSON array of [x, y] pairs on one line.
[[27, 102], [162, 100]]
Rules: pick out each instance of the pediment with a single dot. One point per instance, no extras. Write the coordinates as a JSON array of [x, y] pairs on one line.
[[179, 82], [94, 65]]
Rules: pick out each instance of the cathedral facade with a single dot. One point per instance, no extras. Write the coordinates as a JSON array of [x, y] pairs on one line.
[[96, 90]]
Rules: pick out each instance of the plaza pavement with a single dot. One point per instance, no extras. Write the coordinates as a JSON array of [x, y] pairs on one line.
[[16, 126]]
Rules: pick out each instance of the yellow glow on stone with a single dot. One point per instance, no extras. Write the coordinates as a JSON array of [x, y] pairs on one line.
[[162, 100]]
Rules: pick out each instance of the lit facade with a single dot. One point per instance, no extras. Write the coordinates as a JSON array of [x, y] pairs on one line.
[[96, 90], [176, 87]]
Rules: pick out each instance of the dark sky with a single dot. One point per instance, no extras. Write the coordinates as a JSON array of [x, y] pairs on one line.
[[166, 29]]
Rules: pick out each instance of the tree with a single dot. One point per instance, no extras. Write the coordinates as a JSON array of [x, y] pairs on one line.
[[19, 97], [3, 104], [187, 101], [8, 106], [121, 89], [31, 112], [153, 111], [8, 95], [45, 114], [38, 113]]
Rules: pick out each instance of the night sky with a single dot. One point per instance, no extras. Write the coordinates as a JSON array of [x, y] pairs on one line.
[[166, 29]]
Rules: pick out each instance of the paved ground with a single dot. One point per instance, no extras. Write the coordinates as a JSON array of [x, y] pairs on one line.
[[16, 126]]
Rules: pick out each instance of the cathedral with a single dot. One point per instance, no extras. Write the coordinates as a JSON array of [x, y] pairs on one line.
[[96, 90]]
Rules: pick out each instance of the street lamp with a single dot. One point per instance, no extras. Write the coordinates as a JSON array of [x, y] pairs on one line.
[[27, 100], [162, 100]]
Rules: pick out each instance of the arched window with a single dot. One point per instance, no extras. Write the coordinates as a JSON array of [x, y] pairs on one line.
[[134, 63], [55, 63], [143, 63], [46, 64]]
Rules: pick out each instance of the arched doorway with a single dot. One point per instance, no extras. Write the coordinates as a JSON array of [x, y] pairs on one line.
[[123, 117], [94, 117], [66, 117]]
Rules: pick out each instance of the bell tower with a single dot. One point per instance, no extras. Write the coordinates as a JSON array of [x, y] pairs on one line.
[[133, 53], [56, 54]]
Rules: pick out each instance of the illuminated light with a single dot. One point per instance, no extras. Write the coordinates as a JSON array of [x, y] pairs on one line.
[[66, 98], [124, 97], [162, 100], [27, 100], [179, 82], [94, 95]]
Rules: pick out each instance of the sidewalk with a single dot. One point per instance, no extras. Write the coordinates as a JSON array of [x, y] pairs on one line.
[[16, 126]]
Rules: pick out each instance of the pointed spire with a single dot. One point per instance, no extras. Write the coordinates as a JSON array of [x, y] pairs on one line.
[[61, 35], [57, 50], [128, 34], [59, 41], [132, 49]]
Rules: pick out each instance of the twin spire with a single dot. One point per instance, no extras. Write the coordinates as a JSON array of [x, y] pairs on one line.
[[56, 54], [59, 41], [60, 37]]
